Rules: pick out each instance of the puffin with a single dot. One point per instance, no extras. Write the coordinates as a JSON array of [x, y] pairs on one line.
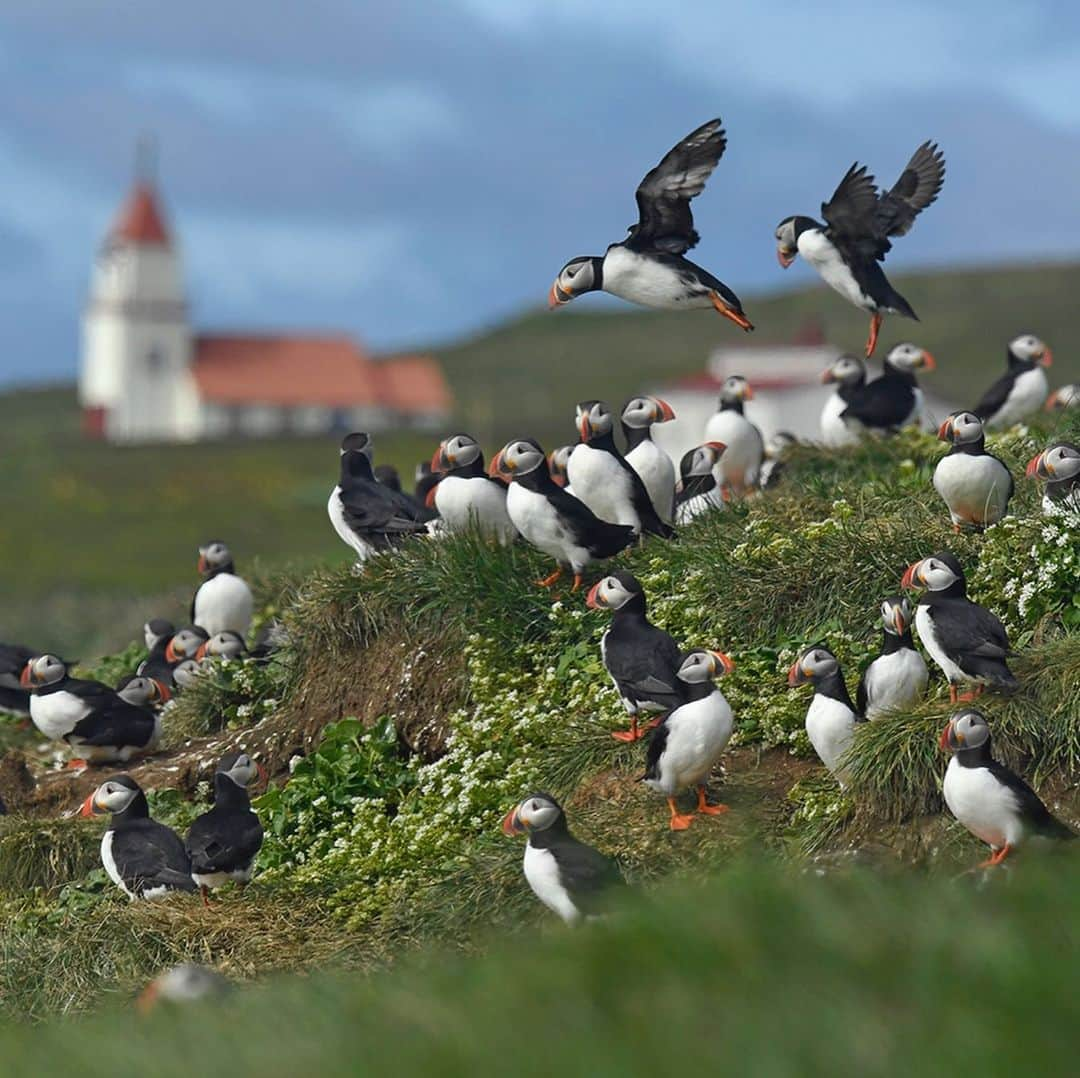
[[740, 464], [144, 858], [572, 879], [990, 800], [157, 633], [859, 224], [1059, 467], [831, 717], [894, 400], [466, 497], [223, 842], [642, 660], [649, 267], [603, 478], [186, 673], [184, 644], [1066, 396], [974, 484], [551, 520], [425, 480], [225, 645], [143, 691], [897, 678], [698, 490], [690, 740], [368, 516], [558, 459], [223, 600], [14, 696], [777, 449], [1022, 390], [657, 472], [187, 982], [848, 374], [967, 641]]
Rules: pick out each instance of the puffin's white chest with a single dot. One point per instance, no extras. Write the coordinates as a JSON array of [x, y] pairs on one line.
[[835, 433], [603, 484], [535, 517], [474, 502], [830, 726], [739, 464], [701, 503], [645, 281], [895, 681], [983, 805], [697, 734], [336, 512], [56, 713], [818, 250], [224, 602], [975, 488], [1026, 397], [109, 863], [542, 874], [924, 625], [658, 474]]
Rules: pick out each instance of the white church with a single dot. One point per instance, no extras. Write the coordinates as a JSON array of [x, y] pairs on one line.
[[147, 375]]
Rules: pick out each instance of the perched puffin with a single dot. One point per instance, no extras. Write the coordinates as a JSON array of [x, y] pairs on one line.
[[558, 459], [897, 678], [777, 449], [223, 842], [989, 799], [1059, 467], [186, 673], [645, 456], [466, 496], [687, 744], [643, 661], [1022, 390], [859, 222], [967, 641], [648, 267], [183, 644], [223, 600], [894, 400], [848, 374], [740, 464], [143, 691], [186, 983], [157, 632], [974, 484], [698, 490], [144, 858], [14, 696], [831, 717], [1067, 396], [225, 645], [552, 520], [425, 480], [571, 879]]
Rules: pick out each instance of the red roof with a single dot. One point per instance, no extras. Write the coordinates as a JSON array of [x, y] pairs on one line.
[[414, 384], [140, 219]]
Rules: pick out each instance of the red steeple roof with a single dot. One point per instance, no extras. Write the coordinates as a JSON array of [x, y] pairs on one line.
[[140, 219]]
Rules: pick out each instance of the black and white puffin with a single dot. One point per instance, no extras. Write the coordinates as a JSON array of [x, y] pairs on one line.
[[186, 673], [143, 691], [739, 467], [144, 858], [557, 461], [466, 497], [604, 480], [831, 717], [183, 644], [859, 222], [223, 842], [974, 484], [1066, 396], [572, 879], [894, 400], [989, 799], [643, 660], [1059, 467], [1022, 390], [848, 374], [223, 600], [226, 645], [698, 490], [551, 520], [690, 740], [645, 456], [967, 641], [14, 695], [157, 632], [897, 678], [649, 267]]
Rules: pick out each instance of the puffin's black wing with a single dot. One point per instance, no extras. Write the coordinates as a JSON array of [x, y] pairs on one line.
[[657, 744], [221, 841], [643, 506], [862, 697], [992, 400], [884, 402], [850, 212], [586, 873], [93, 693], [1034, 811], [370, 507], [663, 197], [148, 854], [917, 187], [974, 637], [601, 539], [117, 722], [644, 666]]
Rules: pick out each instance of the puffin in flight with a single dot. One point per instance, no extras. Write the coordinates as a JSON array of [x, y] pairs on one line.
[[1022, 390], [974, 484], [648, 267], [1059, 467], [859, 223]]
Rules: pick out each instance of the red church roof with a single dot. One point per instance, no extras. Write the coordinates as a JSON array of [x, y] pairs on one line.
[[140, 219]]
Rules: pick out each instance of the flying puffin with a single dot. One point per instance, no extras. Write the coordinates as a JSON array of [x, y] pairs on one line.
[[1059, 467], [690, 740], [558, 459], [466, 496], [642, 660], [144, 858], [143, 691], [14, 696], [974, 484], [967, 641], [989, 799], [226, 645], [859, 222], [645, 456], [848, 374], [1022, 390], [223, 600], [550, 519], [222, 843], [603, 478], [698, 490], [648, 267], [1067, 396], [897, 678], [571, 879], [777, 450], [740, 464], [367, 515], [894, 400], [831, 717]]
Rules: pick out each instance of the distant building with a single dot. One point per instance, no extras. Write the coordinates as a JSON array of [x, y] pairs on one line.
[[147, 375]]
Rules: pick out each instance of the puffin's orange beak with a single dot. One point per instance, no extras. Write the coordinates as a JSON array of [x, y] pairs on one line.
[[511, 824], [794, 674], [899, 621], [944, 742], [784, 258], [910, 578], [928, 361], [88, 807], [828, 376], [26, 678], [724, 660], [718, 446], [1046, 358], [591, 600], [200, 654], [439, 460], [163, 691], [495, 468], [558, 297], [944, 432], [203, 563], [584, 427], [170, 653], [667, 413]]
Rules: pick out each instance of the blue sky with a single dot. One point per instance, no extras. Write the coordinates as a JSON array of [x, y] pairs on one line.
[[414, 172]]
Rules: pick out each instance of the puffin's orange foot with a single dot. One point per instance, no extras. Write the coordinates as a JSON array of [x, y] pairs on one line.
[[996, 858], [952, 693], [635, 733], [549, 580], [704, 807], [966, 697], [76, 765], [652, 724], [871, 341], [205, 896], [680, 822], [577, 583]]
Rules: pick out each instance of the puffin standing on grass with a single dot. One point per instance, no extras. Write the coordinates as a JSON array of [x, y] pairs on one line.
[[893, 401], [143, 691], [848, 374], [466, 496], [550, 519], [1059, 467], [1022, 390], [643, 661], [897, 678], [831, 717], [657, 472], [740, 464], [967, 641], [226, 645], [223, 600], [648, 267], [989, 799], [974, 484], [859, 223], [698, 490]]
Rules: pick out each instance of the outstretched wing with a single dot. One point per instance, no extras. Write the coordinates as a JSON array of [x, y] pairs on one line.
[[663, 197], [917, 187], [850, 212]]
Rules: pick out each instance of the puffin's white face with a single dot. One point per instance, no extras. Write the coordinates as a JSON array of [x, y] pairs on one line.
[[43, 670], [515, 459], [1029, 347], [814, 663], [787, 244], [701, 665], [609, 594], [185, 674], [242, 770], [558, 459], [112, 796], [845, 370], [645, 411], [931, 573], [896, 614], [1060, 462], [1066, 397], [700, 461], [536, 813], [213, 556], [736, 388], [575, 277], [910, 357], [224, 645], [593, 419], [184, 645], [961, 428], [143, 691], [460, 450], [966, 730]]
